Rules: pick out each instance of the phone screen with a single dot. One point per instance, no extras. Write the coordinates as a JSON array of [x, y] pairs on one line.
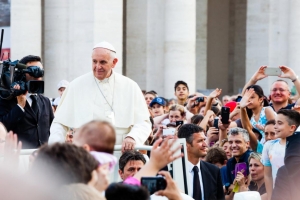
[[154, 184]]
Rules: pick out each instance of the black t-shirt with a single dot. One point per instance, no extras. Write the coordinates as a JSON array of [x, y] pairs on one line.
[[289, 106], [253, 187]]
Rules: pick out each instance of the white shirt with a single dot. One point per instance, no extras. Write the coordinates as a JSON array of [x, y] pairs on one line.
[[29, 100], [190, 167]]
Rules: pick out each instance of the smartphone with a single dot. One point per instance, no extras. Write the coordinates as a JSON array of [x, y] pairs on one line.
[[198, 100], [272, 71], [216, 123], [241, 167], [238, 99], [154, 184], [169, 131], [225, 112], [179, 123]]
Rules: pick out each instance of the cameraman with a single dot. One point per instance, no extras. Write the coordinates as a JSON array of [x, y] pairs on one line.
[[28, 115]]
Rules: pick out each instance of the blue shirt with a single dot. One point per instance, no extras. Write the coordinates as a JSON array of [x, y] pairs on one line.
[[231, 165]]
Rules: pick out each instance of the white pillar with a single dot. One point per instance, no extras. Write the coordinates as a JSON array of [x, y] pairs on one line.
[[180, 42], [136, 41], [26, 28], [201, 44], [108, 26], [293, 38]]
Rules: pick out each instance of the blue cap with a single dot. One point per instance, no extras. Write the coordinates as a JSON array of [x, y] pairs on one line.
[[159, 101]]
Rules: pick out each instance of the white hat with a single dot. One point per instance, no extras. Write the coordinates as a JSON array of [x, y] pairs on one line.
[[248, 195], [62, 83], [105, 45]]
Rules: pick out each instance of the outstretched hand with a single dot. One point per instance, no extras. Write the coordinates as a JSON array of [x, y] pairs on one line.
[[259, 74], [215, 93], [12, 149], [245, 100], [287, 73]]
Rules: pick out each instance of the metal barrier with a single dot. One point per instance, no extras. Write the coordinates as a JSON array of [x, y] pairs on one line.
[[177, 168]]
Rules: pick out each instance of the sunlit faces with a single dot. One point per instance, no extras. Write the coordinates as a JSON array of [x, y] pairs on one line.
[[149, 98], [282, 127], [237, 144], [226, 148], [61, 91], [198, 148], [256, 169], [255, 101], [280, 92], [131, 168], [270, 132], [34, 63], [157, 109], [175, 116], [181, 92], [103, 63]]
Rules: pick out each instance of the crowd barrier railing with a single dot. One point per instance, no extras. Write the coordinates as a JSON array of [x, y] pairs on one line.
[[177, 168]]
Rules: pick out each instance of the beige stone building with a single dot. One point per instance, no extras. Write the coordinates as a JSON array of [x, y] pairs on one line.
[[207, 43]]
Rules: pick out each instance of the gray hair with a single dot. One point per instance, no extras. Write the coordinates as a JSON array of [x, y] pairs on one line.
[[237, 131]]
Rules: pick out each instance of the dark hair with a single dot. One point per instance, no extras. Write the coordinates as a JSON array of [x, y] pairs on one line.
[[128, 156], [65, 162], [30, 58], [196, 119], [293, 117], [99, 135], [122, 191], [216, 155], [254, 130], [181, 83], [187, 131], [272, 121], [259, 91], [216, 110]]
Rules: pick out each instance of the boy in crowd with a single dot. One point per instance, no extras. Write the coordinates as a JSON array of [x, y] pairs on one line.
[[287, 122], [158, 106], [181, 92]]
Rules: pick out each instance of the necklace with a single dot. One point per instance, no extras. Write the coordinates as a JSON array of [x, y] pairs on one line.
[[111, 106]]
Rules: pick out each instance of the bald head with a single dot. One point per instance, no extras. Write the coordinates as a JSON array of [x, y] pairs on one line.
[[98, 135]]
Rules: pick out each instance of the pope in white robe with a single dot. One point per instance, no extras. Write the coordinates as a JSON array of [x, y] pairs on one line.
[[103, 95]]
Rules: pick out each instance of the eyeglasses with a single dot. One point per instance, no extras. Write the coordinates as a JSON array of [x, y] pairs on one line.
[[279, 89]]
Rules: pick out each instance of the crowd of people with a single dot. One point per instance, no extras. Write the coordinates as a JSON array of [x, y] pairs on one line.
[[252, 147]]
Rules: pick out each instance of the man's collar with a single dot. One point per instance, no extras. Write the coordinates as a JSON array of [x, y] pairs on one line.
[[191, 165], [242, 158], [108, 79]]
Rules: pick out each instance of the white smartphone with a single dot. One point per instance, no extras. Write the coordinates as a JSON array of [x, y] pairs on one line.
[[169, 131], [272, 71]]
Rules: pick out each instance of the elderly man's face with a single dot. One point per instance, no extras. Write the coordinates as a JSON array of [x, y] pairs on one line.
[[280, 92], [103, 63]]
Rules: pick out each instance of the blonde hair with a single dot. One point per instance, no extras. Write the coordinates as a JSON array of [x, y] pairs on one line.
[[179, 108], [255, 156]]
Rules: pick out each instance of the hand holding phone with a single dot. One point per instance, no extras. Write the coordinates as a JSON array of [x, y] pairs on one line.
[[225, 112], [241, 167], [270, 71], [154, 184], [169, 131]]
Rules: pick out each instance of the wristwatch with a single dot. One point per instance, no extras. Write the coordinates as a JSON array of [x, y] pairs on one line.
[[295, 79]]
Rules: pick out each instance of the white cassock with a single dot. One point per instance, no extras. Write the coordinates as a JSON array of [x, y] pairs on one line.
[[124, 107]]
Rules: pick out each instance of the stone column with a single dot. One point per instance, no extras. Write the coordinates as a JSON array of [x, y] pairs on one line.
[[71, 29], [201, 44], [108, 26], [180, 44], [26, 28]]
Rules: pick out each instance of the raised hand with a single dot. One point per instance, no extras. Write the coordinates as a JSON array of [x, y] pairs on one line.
[[287, 73], [296, 108], [245, 100], [215, 93], [259, 74]]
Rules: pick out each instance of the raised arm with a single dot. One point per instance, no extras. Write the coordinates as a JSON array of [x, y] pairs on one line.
[[214, 94], [245, 119], [157, 120], [259, 74], [204, 122], [290, 74]]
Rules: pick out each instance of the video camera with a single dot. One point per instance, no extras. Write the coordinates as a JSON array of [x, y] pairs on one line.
[[14, 73]]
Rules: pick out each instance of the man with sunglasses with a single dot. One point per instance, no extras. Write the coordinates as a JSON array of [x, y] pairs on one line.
[[279, 92]]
